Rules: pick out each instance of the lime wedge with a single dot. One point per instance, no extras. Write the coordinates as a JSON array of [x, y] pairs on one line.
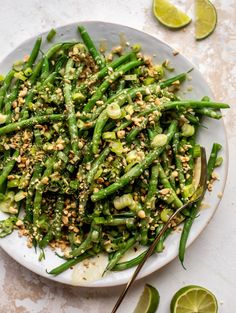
[[148, 301], [206, 18], [169, 15], [193, 299]]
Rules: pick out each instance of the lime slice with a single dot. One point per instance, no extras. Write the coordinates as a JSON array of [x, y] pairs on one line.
[[193, 299], [148, 301], [206, 18], [168, 15]]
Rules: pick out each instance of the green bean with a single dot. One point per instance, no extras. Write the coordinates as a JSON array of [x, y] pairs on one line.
[[51, 34], [5, 86], [178, 162], [103, 72], [118, 254], [10, 98], [138, 259], [29, 198], [165, 182], [34, 53], [193, 119], [45, 69], [136, 171], [55, 228], [8, 168], [135, 131], [186, 230], [54, 49], [86, 244], [149, 202], [91, 47], [193, 105], [70, 108], [107, 82], [96, 165], [216, 147], [181, 77], [68, 264], [30, 122], [210, 113], [39, 195]]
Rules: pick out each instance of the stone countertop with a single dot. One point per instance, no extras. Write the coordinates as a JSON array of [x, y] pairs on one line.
[[211, 259]]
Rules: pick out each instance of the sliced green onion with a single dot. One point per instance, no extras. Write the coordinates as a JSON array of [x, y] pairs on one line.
[[20, 195], [187, 130], [74, 184], [20, 76], [3, 118], [14, 183], [28, 71], [130, 77], [7, 226], [123, 201], [219, 161], [18, 66], [166, 65], [51, 34], [159, 70], [136, 47], [188, 191], [70, 168], [78, 97], [129, 109], [95, 236], [131, 156], [114, 111], [135, 155], [61, 155], [117, 147], [166, 214], [148, 81], [109, 136], [99, 173], [159, 141]]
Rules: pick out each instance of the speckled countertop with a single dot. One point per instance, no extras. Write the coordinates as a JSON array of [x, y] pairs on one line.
[[211, 259]]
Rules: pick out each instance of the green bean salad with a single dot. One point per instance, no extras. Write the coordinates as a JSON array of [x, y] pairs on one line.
[[97, 151]]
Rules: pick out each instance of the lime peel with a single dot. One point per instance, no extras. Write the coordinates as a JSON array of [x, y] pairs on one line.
[[148, 301], [169, 15], [206, 19], [193, 298]]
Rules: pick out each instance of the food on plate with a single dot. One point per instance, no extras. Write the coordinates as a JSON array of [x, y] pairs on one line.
[[97, 151]]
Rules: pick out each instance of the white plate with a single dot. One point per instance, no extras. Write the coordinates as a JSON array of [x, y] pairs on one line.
[[215, 132]]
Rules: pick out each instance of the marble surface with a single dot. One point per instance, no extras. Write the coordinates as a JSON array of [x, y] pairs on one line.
[[211, 259]]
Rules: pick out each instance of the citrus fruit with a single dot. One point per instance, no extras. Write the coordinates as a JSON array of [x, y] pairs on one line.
[[193, 299], [206, 18], [169, 15], [148, 301]]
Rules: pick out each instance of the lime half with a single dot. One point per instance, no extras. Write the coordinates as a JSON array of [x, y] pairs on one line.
[[148, 301], [169, 15], [193, 299], [206, 18]]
